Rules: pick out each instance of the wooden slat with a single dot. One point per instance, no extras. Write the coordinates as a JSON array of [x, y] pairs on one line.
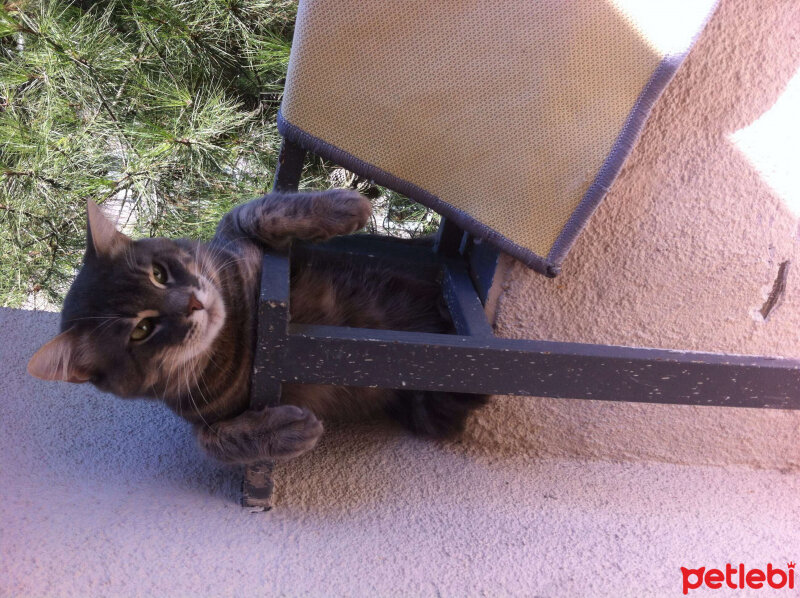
[[273, 320], [483, 259], [289, 167], [423, 361], [449, 239], [265, 383], [462, 301]]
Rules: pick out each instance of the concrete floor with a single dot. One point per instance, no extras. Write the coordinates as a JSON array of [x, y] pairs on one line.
[[105, 497]]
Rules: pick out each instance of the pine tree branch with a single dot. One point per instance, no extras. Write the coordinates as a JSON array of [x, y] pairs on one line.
[[159, 54], [30, 173], [151, 102], [30, 29], [25, 213]]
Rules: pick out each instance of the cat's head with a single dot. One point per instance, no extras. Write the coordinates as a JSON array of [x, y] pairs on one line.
[[138, 314]]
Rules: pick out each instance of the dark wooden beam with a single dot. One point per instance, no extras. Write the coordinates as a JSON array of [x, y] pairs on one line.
[[265, 388], [273, 322], [289, 168], [423, 361], [482, 259], [465, 308], [449, 239]]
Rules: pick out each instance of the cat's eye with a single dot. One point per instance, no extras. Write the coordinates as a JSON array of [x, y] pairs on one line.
[[143, 329], [159, 274]]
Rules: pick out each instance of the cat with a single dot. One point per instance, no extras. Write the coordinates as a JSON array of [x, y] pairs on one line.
[[175, 320]]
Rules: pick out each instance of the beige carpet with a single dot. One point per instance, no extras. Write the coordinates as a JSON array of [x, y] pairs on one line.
[[102, 497]]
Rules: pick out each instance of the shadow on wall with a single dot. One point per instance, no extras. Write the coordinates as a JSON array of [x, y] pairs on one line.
[[682, 254]]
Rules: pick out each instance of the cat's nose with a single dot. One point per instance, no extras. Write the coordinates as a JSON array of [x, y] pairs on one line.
[[194, 305]]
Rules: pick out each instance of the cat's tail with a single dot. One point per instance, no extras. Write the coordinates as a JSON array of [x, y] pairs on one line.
[[433, 414]]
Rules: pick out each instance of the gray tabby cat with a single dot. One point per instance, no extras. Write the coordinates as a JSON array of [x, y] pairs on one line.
[[174, 320]]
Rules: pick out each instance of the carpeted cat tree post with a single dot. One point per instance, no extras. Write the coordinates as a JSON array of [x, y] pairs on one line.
[[511, 119]]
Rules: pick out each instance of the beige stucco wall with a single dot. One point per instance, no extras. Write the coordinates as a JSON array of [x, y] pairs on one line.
[[681, 254]]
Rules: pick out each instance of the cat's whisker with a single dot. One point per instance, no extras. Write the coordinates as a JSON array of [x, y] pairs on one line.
[[210, 254], [173, 367], [208, 263], [102, 325], [201, 379], [129, 258], [198, 385], [208, 266], [198, 259], [193, 369], [95, 317], [194, 403], [211, 359], [229, 263]]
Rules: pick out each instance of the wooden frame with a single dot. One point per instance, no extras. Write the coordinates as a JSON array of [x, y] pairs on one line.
[[473, 359]]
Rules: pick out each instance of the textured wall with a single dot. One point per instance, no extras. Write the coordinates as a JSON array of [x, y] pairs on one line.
[[682, 254]]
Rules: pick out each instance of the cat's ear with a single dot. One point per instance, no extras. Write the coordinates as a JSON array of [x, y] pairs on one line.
[[56, 361], [103, 239]]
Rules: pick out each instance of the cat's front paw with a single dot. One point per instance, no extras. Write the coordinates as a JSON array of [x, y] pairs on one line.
[[281, 432], [345, 210], [293, 431]]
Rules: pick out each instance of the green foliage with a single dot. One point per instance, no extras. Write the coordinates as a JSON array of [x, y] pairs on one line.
[[164, 109]]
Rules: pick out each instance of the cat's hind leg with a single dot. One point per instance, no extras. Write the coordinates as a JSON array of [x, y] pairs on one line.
[[273, 433], [433, 414]]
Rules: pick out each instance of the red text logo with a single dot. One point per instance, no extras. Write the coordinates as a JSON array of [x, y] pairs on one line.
[[738, 577]]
